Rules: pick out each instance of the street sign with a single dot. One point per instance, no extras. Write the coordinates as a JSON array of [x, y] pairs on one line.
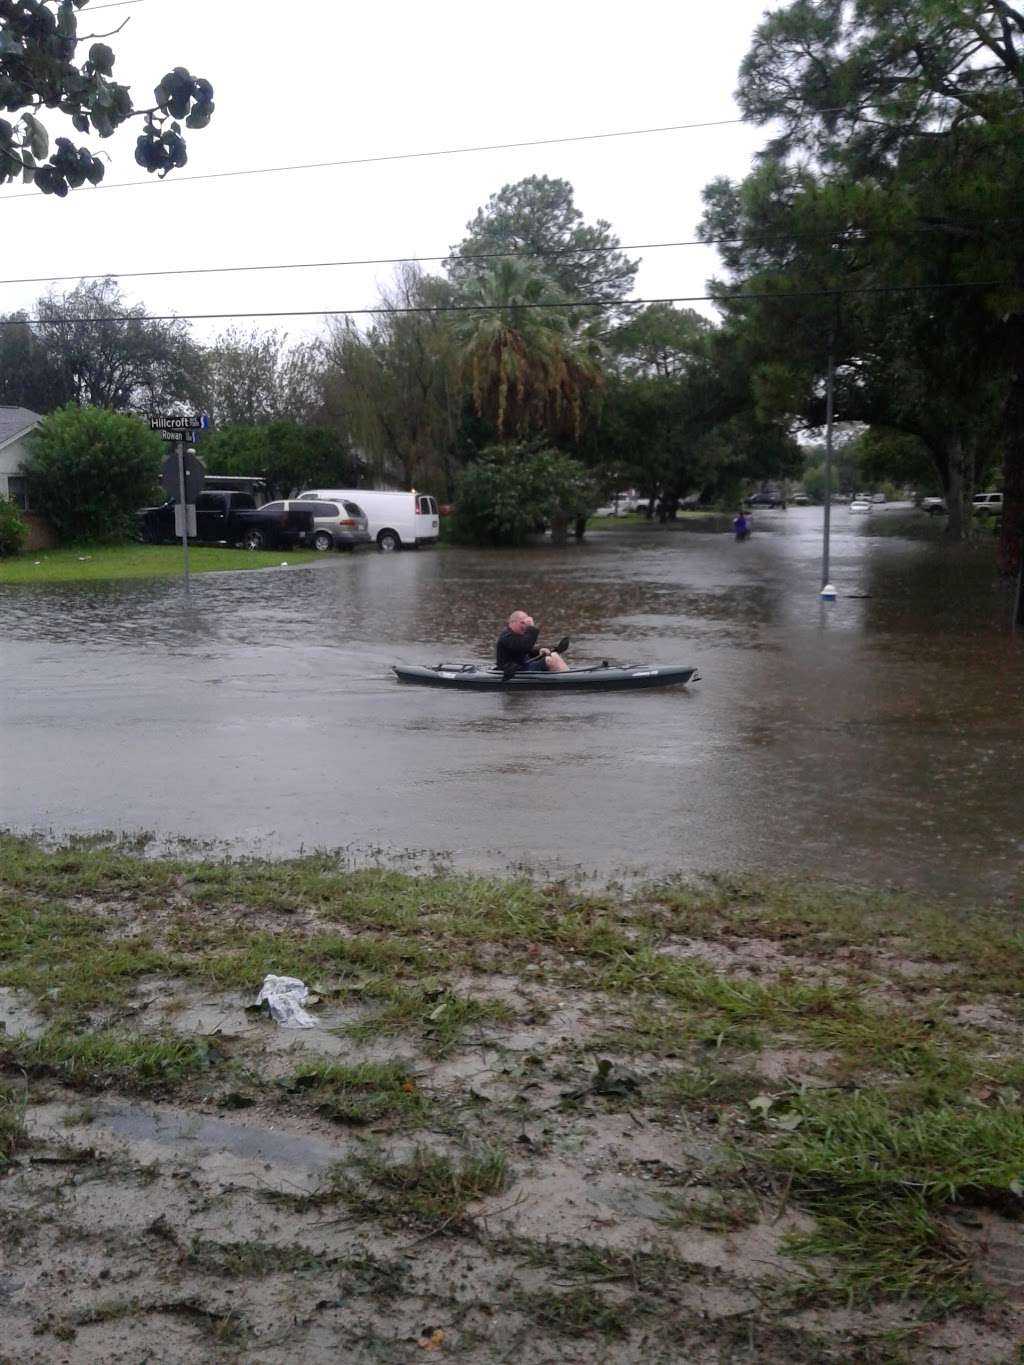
[[194, 470], [185, 520], [178, 426]]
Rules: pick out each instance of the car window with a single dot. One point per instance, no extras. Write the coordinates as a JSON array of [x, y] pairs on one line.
[[354, 510], [210, 502], [306, 497], [326, 509], [272, 507]]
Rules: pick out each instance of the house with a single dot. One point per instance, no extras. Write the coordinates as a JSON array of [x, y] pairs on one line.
[[16, 425]]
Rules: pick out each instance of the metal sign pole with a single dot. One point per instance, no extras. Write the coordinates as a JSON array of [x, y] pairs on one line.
[[829, 400], [184, 513]]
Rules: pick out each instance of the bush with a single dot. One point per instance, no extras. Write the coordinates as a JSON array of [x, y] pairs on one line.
[[512, 491], [12, 529], [90, 470]]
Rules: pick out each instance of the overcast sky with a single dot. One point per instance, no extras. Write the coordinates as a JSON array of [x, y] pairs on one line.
[[319, 80]]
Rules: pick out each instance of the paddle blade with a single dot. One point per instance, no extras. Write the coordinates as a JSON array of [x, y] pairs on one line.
[[562, 645]]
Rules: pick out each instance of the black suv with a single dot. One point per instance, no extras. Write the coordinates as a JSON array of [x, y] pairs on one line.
[[763, 500]]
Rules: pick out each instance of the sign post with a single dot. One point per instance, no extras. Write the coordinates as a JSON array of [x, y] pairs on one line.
[[184, 508], [182, 473]]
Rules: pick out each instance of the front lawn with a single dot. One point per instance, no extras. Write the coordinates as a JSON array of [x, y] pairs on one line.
[[87, 562]]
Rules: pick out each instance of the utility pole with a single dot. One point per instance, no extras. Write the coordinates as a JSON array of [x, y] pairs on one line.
[[830, 387]]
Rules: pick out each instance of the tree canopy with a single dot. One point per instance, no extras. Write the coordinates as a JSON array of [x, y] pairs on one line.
[[89, 470], [899, 167], [40, 68], [538, 218]]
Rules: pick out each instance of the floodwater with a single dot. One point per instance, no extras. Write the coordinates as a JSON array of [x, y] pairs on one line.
[[877, 738]]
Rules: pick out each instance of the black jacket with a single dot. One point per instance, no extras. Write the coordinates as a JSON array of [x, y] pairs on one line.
[[516, 649]]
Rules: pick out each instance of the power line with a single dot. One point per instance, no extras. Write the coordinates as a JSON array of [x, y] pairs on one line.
[[777, 295], [408, 156], [863, 235]]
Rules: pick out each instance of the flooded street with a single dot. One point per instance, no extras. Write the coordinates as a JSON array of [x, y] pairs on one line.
[[879, 738]]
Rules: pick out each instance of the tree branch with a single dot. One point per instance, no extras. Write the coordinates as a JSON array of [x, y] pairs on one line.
[[16, 159], [88, 37]]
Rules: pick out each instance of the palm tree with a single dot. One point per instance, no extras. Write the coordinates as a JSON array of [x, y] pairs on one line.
[[526, 369]]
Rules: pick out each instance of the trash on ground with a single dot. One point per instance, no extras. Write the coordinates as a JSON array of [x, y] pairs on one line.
[[285, 997]]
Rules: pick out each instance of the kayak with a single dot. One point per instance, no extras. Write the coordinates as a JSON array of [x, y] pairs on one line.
[[599, 678]]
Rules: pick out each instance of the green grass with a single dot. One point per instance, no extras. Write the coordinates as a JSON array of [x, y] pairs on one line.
[[878, 1177], [580, 1312], [428, 1190], [91, 563], [104, 1060], [12, 1127], [440, 1017], [381, 1093]]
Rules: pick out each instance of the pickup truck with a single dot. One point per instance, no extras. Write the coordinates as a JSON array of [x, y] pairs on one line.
[[231, 518]]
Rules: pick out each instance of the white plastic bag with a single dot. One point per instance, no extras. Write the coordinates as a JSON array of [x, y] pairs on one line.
[[286, 996]]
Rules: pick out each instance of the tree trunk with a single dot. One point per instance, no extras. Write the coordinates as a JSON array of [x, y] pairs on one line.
[[959, 490], [1008, 555], [580, 529], [559, 529]]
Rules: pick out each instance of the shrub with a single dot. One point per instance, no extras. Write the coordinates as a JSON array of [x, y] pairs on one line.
[[12, 529], [89, 470], [514, 490]]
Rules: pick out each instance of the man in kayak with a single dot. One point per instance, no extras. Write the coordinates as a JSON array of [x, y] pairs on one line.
[[517, 648]]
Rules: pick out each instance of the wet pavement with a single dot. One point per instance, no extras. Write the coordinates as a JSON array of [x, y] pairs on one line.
[[878, 738]]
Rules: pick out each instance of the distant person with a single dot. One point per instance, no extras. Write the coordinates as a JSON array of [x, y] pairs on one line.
[[517, 648], [741, 525]]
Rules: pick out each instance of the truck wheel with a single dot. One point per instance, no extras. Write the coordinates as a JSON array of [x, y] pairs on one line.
[[323, 540], [254, 539], [389, 540]]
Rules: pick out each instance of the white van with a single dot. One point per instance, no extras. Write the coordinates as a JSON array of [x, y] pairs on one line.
[[394, 519]]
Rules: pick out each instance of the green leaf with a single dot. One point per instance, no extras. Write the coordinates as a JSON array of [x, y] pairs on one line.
[[38, 137], [102, 58], [67, 23]]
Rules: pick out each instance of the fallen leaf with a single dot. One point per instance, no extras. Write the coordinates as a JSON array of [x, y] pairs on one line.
[[431, 1340]]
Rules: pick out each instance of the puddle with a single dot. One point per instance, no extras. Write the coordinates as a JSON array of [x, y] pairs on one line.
[[220, 1150]]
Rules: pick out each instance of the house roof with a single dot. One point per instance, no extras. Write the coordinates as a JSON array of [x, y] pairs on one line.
[[15, 422]]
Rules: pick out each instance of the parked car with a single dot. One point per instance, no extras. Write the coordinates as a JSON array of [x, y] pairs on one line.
[[933, 506], [877, 497], [800, 499], [395, 519], [987, 504], [860, 505], [763, 500], [336, 525], [230, 518], [607, 509]]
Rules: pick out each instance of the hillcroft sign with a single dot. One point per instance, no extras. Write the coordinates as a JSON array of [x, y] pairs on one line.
[[178, 426]]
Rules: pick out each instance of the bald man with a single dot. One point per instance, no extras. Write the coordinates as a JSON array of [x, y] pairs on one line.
[[517, 648]]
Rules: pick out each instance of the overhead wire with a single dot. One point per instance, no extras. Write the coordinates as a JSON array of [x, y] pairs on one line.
[[727, 296], [861, 236], [404, 156]]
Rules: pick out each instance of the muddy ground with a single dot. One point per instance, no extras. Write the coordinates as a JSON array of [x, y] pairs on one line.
[[701, 1123]]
